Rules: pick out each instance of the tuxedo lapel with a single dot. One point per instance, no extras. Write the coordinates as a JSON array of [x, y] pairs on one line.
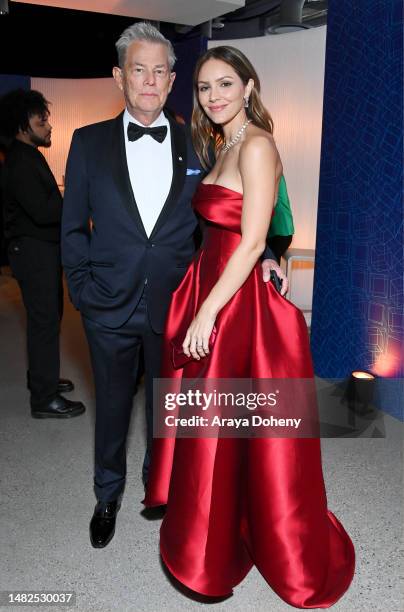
[[120, 172], [179, 157]]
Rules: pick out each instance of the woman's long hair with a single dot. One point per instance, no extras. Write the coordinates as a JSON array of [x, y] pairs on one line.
[[205, 133]]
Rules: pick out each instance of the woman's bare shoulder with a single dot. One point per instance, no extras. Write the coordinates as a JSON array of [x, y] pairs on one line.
[[258, 139], [258, 143]]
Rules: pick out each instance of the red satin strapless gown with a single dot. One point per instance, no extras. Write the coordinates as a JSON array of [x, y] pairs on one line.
[[234, 503]]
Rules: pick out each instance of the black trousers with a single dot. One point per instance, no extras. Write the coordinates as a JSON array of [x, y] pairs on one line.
[[114, 356], [36, 265]]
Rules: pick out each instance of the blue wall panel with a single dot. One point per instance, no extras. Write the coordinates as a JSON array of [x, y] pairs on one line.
[[358, 311]]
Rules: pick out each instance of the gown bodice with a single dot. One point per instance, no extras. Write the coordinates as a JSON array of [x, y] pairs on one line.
[[220, 206]]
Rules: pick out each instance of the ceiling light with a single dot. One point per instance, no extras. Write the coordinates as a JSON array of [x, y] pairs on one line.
[[284, 28], [217, 23]]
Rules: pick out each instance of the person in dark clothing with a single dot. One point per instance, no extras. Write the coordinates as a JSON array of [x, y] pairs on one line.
[[32, 217], [3, 253]]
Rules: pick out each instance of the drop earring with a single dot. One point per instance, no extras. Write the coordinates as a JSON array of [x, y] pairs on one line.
[[246, 99]]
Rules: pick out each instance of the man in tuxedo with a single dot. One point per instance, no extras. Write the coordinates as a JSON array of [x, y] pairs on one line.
[[134, 177], [32, 217]]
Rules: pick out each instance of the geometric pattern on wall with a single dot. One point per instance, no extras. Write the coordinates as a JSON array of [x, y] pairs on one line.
[[358, 310]]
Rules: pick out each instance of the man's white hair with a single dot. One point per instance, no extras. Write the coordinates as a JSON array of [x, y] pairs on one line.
[[142, 30]]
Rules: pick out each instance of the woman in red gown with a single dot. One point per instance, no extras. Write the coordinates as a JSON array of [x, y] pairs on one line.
[[237, 502]]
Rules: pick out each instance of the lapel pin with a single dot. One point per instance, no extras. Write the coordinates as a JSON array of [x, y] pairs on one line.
[[180, 159]]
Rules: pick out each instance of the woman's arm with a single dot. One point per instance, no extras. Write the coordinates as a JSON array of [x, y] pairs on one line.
[[257, 163]]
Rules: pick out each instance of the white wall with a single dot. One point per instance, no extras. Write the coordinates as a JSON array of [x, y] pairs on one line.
[[291, 71], [75, 102]]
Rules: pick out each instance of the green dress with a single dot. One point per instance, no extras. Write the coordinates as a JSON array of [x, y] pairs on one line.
[[282, 220]]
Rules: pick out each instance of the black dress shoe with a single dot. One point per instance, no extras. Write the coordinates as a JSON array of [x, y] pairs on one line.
[[64, 385], [58, 408], [102, 524]]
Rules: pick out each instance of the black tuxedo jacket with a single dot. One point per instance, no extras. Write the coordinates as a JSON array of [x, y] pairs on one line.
[[107, 257]]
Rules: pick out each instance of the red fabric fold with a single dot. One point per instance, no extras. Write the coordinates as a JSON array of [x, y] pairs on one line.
[[233, 503]]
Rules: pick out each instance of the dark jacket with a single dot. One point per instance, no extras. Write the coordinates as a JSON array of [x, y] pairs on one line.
[[32, 200], [108, 264]]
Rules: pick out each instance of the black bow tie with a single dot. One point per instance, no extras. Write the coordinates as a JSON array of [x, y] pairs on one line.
[[136, 131]]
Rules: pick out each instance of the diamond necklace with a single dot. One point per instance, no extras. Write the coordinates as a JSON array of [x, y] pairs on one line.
[[233, 141]]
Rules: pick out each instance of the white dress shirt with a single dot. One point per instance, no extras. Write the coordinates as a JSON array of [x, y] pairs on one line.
[[150, 168]]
